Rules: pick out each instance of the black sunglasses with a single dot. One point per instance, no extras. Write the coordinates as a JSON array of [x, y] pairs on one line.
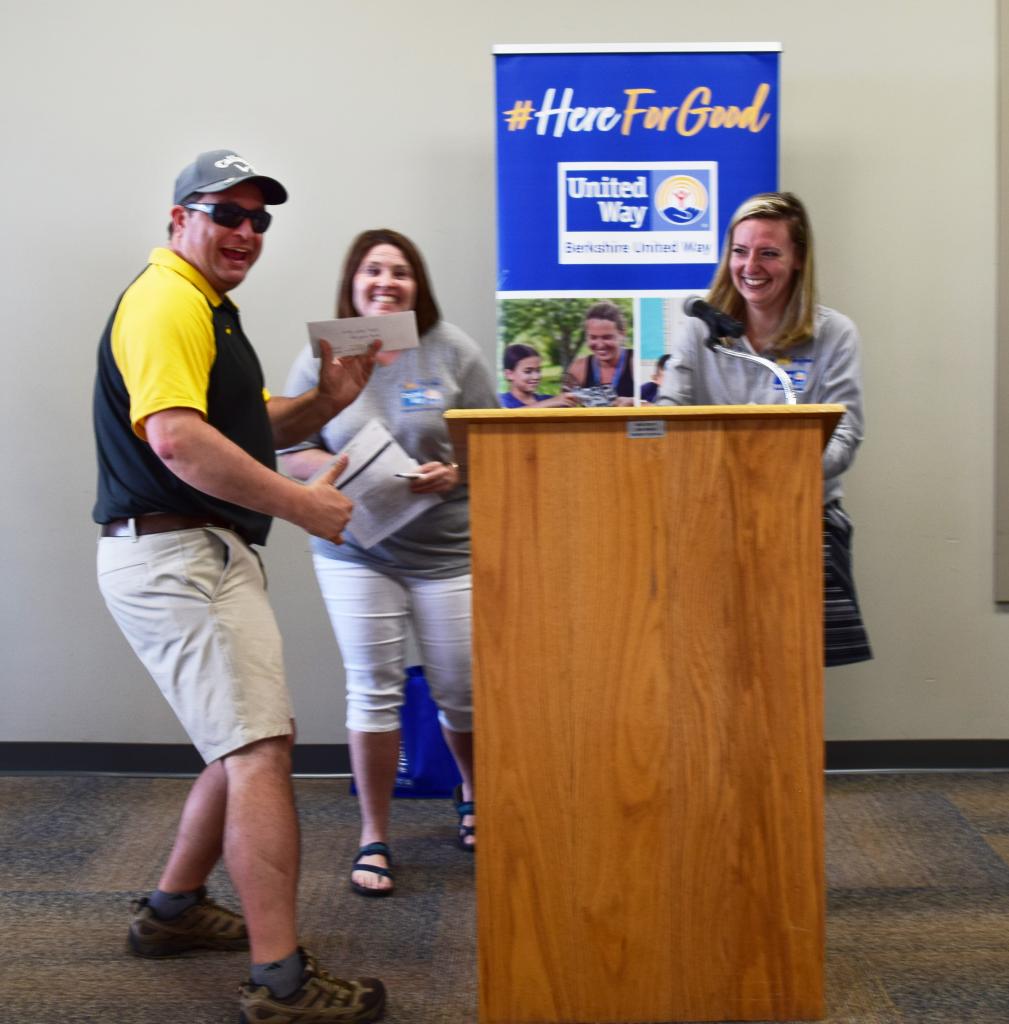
[[230, 215]]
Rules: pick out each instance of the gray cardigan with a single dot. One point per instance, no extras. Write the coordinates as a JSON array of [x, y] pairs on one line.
[[824, 370]]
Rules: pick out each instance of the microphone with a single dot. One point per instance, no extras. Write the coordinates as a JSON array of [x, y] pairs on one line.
[[720, 324]]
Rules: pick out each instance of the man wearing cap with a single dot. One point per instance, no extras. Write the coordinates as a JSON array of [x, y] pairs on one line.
[[186, 434]]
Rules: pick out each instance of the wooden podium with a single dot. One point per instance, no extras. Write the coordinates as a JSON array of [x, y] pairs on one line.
[[648, 645]]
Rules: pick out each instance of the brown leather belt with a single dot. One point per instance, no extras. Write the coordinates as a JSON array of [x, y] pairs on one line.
[[160, 522]]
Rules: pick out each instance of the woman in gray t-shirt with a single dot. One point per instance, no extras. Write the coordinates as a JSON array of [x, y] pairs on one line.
[[419, 576]]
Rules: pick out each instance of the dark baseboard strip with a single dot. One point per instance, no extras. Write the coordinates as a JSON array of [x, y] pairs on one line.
[[334, 759], [149, 758], [917, 755]]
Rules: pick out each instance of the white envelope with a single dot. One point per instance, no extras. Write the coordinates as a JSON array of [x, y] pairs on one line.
[[350, 336]]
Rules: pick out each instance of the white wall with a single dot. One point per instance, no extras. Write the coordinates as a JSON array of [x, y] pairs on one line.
[[383, 115]]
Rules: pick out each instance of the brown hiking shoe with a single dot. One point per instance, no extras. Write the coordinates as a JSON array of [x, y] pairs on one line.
[[320, 1000], [203, 926]]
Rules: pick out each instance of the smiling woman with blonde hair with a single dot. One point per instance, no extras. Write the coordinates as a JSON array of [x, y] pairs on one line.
[[766, 280], [795, 324]]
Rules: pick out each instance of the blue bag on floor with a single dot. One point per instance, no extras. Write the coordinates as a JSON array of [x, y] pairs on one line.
[[426, 767]]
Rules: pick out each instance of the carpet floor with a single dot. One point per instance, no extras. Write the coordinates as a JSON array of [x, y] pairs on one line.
[[918, 903]]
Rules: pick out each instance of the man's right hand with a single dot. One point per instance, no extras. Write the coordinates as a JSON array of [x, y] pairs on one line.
[[326, 511], [205, 459]]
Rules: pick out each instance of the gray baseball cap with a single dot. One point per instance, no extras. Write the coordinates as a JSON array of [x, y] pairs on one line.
[[220, 169]]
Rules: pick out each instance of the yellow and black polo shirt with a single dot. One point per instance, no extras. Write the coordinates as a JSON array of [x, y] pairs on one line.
[[173, 342]]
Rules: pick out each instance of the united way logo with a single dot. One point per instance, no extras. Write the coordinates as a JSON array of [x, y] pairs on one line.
[[637, 212], [681, 200]]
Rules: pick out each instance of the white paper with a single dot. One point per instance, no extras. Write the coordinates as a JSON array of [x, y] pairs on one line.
[[383, 503], [350, 336]]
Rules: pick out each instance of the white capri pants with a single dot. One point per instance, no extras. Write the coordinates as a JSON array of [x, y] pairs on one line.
[[371, 613]]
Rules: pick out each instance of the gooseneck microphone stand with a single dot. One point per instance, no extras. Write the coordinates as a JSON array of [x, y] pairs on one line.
[[716, 345]]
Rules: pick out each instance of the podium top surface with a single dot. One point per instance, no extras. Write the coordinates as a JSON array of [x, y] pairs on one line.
[[827, 415]]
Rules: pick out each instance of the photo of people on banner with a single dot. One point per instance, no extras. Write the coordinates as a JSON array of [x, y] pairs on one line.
[[566, 352]]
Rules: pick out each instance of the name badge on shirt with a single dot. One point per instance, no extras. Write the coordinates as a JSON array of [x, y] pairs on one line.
[[798, 373], [416, 395]]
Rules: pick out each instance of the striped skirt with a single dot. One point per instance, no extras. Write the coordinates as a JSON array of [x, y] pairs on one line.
[[845, 640]]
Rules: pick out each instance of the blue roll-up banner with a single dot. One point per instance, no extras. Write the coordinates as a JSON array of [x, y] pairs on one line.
[[618, 169]]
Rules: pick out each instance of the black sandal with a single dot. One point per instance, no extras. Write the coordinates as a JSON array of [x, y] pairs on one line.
[[372, 849], [462, 808]]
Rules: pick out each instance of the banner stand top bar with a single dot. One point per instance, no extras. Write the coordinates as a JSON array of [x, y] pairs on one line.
[[520, 48]]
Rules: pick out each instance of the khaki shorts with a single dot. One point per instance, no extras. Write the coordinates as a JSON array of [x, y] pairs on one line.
[[193, 606]]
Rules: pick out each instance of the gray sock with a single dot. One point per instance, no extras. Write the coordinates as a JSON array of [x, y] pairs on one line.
[[169, 905], [282, 977]]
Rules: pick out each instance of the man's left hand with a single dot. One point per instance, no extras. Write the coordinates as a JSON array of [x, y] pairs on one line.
[[342, 378]]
